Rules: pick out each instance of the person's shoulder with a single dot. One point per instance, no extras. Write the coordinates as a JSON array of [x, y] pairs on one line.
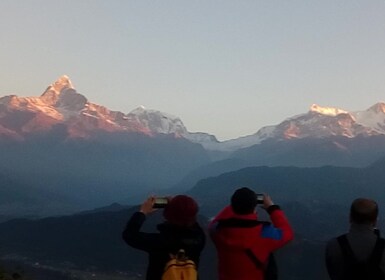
[[269, 231], [197, 229], [332, 246], [332, 241]]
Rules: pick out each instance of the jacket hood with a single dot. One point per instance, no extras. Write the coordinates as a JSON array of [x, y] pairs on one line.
[[228, 213], [236, 237]]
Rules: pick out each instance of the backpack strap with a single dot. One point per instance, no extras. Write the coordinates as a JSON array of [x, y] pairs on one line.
[[255, 260], [270, 269], [375, 257], [347, 251]]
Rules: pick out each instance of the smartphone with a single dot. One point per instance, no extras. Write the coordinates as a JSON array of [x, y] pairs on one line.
[[260, 198], [160, 202]]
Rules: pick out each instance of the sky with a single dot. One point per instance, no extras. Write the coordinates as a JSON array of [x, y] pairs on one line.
[[224, 67]]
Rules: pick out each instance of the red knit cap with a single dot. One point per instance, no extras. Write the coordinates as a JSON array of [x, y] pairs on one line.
[[181, 210]]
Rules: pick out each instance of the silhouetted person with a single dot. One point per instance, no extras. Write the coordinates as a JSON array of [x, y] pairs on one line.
[[359, 254], [180, 230], [243, 243]]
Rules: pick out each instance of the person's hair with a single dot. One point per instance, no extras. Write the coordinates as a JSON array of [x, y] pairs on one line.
[[243, 201], [363, 211]]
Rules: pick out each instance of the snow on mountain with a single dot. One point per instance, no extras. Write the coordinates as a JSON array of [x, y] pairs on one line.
[[56, 90], [327, 111], [321, 122], [210, 142], [201, 137], [318, 122], [374, 117], [158, 122]]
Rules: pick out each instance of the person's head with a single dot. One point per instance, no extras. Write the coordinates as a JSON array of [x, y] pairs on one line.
[[244, 201], [364, 211], [181, 210]]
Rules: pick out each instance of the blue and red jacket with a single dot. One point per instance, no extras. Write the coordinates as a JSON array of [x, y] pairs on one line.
[[261, 239]]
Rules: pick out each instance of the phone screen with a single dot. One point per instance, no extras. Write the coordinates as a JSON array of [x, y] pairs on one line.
[[260, 198], [160, 202]]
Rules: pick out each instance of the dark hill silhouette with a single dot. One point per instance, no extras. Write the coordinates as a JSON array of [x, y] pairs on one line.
[[210, 170], [359, 151], [308, 152], [330, 185], [316, 200], [83, 241]]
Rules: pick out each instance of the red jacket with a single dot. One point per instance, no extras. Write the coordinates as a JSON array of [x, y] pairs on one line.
[[261, 239]]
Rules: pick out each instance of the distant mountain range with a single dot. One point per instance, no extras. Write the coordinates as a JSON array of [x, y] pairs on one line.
[[318, 123], [62, 153], [322, 136], [62, 104]]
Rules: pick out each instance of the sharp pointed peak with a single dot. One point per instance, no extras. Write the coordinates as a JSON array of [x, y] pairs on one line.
[[62, 85], [63, 82], [141, 109]]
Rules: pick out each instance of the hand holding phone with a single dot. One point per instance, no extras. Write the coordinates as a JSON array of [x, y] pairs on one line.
[[148, 206], [267, 201]]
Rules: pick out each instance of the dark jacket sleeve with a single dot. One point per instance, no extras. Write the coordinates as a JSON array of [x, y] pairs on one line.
[[137, 239]]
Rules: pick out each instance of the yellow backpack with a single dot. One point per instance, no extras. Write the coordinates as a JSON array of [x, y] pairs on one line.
[[180, 268]]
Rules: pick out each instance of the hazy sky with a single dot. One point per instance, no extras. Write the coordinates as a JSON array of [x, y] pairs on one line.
[[224, 67]]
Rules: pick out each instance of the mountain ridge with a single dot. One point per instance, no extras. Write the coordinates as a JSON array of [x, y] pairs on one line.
[[318, 122], [61, 104]]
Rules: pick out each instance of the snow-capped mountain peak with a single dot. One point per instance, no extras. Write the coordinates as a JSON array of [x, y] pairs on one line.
[[141, 110], [158, 122], [374, 117], [62, 83], [378, 108], [61, 86], [327, 111]]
